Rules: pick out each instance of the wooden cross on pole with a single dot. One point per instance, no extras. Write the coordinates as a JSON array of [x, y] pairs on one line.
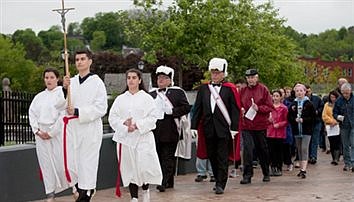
[[62, 11]]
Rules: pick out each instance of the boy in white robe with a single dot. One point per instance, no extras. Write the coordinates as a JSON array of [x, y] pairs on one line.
[[84, 133], [133, 117], [45, 115]]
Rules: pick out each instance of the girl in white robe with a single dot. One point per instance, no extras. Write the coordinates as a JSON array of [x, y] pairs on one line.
[[45, 115], [133, 117]]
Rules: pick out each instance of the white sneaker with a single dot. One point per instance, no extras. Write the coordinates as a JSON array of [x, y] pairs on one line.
[[134, 200], [146, 195], [290, 167], [233, 173]]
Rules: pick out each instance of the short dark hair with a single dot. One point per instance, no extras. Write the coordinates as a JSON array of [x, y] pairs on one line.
[[86, 51], [50, 69]]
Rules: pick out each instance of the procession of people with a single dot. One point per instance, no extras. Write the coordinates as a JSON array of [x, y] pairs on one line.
[[153, 128]]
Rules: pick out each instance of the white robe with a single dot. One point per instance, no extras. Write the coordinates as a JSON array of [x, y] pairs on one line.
[[84, 134], [45, 113], [139, 160]]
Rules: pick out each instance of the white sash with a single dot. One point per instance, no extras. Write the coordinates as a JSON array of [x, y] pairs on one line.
[[166, 100], [184, 146], [220, 104]]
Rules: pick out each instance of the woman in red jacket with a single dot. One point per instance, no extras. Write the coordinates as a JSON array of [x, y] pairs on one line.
[[276, 133]]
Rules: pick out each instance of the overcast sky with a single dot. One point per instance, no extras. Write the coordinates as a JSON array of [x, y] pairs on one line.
[[306, 16]]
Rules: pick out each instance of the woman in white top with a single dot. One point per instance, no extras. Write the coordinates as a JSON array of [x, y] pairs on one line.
[[133, 117], [45, 115]]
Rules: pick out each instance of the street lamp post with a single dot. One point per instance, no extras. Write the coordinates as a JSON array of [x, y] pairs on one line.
[[141, 65]]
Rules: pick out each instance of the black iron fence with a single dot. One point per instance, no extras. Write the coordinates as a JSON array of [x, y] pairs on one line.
[[14, 121]]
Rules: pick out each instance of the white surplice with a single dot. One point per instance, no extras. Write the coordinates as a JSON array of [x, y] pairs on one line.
[[139, 160], [84, 134], [45, 113]]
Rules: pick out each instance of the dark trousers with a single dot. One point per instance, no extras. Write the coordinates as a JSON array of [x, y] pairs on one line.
[[335, 145], [255, 139], [276, 152], [166, 152], [287, 153], [218, 151]]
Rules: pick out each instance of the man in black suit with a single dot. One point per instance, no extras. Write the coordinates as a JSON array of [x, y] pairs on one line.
[[172, 104], [216, 106]]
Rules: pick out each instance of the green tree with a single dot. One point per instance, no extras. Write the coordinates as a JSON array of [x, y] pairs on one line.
[[110, 23], [245, 34], [98, 41], [16, 67], [74, 29], [32, 44]]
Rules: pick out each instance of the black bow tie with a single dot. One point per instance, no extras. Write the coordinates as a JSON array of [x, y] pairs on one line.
[[216, 84], [161, 89]]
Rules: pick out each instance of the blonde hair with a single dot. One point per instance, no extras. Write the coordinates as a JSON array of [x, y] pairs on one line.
[[299, 85]]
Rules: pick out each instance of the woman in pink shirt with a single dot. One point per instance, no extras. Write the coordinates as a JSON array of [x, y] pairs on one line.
[[276, 133]]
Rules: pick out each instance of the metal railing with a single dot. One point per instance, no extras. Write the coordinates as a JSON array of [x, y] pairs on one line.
[[14, 121]]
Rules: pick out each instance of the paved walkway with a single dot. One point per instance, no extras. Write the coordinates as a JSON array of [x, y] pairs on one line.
[[324, 183]]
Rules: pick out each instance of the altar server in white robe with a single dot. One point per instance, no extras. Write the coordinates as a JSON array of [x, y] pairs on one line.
[[45, 115], [133, 117], [84, 133]]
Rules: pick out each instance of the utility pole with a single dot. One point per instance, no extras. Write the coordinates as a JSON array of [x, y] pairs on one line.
[[62, 11]]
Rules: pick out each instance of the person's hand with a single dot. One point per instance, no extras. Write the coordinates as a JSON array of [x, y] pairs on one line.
[[276, 125], [333, 123], [299, 120], [66, 82], [254, 105], [70, 110], [128, 122], [43, 135], [340, 118], [243, 111], [233, 134], [132, 127], [270, 118], [194, 133]]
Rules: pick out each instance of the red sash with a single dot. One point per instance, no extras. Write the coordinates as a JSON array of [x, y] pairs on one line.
[[118, 193], [66, 121]]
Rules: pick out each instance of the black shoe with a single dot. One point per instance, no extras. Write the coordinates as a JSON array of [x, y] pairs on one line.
[[200, 178], [266, 178], [352, 169], [245, 181], [212, 179], [303, 175], [312, 161], [219, 190], [169, 186], [334, 163], [346, 168], [161, 188], [83, 195]]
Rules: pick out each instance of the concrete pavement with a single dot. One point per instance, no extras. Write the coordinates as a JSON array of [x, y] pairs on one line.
[[324, 182]]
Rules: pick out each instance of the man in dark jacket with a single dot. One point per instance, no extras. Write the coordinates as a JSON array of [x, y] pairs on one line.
[[343, 111], [216, 106], [256, 104], [172, 104]]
